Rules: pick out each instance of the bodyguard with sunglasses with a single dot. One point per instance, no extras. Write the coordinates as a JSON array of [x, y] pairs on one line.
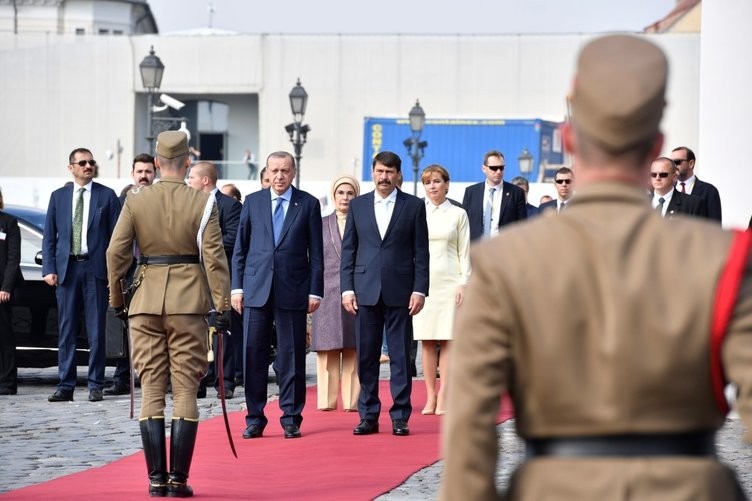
[[564, 183], [80, 220], [493, 203], [666, 198], [684, 159]]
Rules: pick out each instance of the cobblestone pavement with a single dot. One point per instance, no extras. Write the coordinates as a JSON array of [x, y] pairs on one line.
[[40, 443]]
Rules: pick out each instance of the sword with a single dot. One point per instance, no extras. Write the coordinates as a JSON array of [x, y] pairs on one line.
[[124, 291], [212, 321]]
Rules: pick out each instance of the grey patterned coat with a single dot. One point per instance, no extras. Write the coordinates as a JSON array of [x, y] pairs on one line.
[[333, 327]]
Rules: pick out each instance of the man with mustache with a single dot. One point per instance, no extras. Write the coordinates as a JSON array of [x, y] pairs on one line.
[[384, 282], [80, 220], [143, 173]]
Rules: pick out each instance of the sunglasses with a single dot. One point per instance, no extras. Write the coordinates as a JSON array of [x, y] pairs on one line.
[[662, 175], [678, 161], [495, 167], [82, 163], [563, 181]]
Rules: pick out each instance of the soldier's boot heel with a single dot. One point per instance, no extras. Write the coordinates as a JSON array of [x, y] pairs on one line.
[[182, 441], [155, 452]]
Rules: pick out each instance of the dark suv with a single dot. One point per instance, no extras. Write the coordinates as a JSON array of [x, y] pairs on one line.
[[34, 303]]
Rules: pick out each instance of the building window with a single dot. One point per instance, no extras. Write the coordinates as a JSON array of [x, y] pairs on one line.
[[103, 31], [80, 31], [117, 32]]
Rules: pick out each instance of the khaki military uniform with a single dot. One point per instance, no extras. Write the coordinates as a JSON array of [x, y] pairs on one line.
[[597, 322], [166, 314]]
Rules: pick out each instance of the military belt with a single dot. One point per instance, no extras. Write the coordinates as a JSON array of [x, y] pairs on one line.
[[170, 259], [629, 445]]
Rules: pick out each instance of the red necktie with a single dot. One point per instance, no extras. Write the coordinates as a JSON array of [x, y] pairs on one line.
[[682, 187]]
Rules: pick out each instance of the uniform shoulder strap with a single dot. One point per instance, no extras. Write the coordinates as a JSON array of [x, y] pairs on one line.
[[726, 293]]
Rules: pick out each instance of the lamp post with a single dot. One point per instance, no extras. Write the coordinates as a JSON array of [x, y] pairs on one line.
[[525, 161], [151, 77], [297, 130], [413, 143]]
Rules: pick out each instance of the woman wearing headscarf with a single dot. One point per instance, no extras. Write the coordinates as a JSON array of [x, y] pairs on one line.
[[333, 330]]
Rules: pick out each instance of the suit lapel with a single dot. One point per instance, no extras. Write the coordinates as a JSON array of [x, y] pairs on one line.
[[371, 212], [92, 205], [66, 211], [504, 199], [293, 210], [398, 205], [674, 205], [266, 214]]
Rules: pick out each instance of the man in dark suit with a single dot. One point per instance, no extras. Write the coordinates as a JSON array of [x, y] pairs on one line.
[[10, 278], [666, 198], [143, 174], [277, 276], [494, 202], [384, 281], [523, 183], [564, 184], [203, 177], [79, 224], [684, 159]]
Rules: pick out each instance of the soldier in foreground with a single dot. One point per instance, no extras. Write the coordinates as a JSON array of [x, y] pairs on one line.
[[182, 262], [617, 387]]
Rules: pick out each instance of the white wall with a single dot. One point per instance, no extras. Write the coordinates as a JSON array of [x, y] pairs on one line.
[[726, 107], [68, 91]]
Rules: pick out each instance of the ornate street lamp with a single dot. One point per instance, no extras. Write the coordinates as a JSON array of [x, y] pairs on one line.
[[415, 147], [152, 70], [525, 161], [297, 130]]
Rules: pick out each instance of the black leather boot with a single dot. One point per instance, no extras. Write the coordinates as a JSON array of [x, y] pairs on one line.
[[183, 438], [155, 452]]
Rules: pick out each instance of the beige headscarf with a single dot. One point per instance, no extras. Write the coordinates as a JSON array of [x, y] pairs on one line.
[[344, 179]]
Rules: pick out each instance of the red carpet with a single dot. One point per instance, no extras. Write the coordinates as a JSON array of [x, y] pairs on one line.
[[328, 462]]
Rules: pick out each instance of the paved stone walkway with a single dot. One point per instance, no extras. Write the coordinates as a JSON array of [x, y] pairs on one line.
[[42, 440]]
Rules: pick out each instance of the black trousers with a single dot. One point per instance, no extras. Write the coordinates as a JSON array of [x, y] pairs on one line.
[[371, 323], [8, 370]]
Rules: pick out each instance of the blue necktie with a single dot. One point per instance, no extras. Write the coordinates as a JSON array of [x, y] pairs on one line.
[[278, 220]]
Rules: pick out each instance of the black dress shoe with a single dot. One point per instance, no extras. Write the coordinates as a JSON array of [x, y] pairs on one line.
[[95, 396], [118, 389], [61, 396], [253, 431], [228, 394], [399, 428], [366, 427], [292, 431]]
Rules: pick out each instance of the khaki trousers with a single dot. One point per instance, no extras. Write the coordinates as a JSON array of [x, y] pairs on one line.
[[169, 348], [337, 369]]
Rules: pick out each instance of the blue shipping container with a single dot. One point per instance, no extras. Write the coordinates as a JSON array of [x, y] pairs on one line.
[[459, 145]]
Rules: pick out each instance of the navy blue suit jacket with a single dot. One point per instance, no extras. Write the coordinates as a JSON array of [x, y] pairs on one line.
[[104, 210], [551, 204], [712, 198], [686, 204], [295, 267], [513, 206], [392, 268], [229, 217]]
